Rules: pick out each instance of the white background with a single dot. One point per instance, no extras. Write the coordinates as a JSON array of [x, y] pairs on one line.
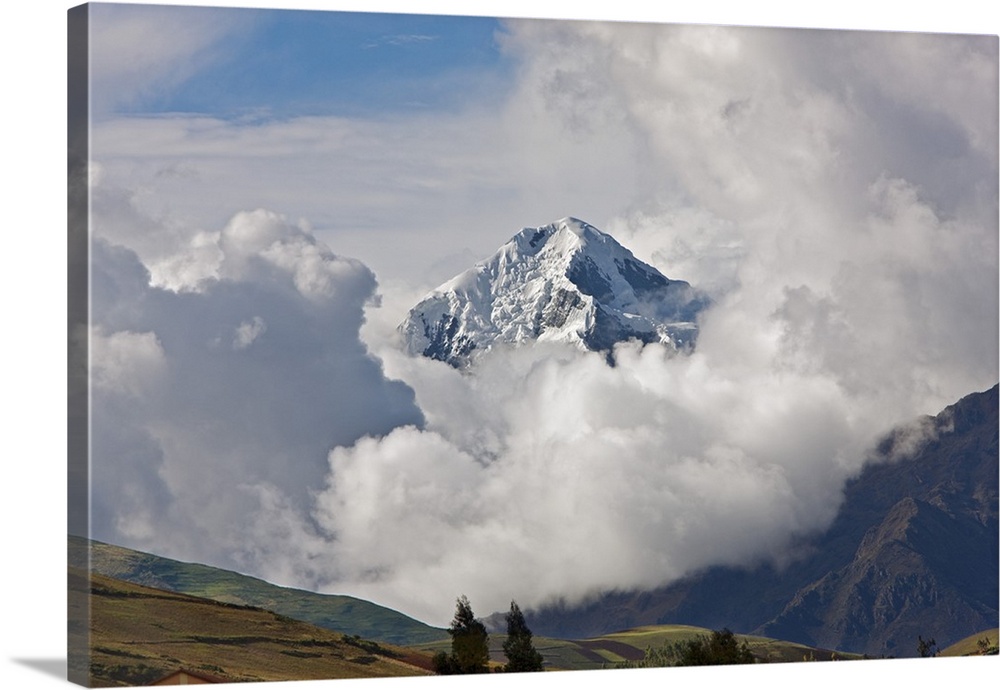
[[34, 316]]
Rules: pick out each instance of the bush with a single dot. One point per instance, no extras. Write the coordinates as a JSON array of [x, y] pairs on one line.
[[719, 648]]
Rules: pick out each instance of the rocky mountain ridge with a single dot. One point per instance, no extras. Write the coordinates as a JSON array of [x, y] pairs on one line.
[[913, 552], [562, 282]]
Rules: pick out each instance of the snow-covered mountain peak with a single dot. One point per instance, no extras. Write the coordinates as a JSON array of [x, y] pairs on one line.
[[566, 281], [563, 237]]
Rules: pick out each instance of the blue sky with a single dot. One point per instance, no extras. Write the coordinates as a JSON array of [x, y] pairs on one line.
[[284, 63]]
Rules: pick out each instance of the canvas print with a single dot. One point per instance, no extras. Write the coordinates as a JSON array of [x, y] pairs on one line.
[[406, 344]]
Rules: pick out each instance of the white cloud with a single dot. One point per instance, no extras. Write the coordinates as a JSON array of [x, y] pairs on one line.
[[547, 475], [126, 363], [398, 194], [208, 400], [856, 288], [957, 79], [247, 332]]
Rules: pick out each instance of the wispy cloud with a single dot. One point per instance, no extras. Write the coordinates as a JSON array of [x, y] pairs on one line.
[[401, 40], [141, 53]]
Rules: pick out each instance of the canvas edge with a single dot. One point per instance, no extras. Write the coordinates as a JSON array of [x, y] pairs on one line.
[[78, 319]]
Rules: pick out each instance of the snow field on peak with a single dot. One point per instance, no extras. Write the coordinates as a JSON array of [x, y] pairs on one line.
[[562, 282]]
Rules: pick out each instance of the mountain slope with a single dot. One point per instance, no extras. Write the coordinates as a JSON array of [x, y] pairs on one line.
[[927, 563], [908, 573], [913, 551], [140, 634], [563, 282], [334, 612]]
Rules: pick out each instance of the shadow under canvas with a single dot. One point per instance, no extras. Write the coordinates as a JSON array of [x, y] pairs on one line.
[[55, 667]]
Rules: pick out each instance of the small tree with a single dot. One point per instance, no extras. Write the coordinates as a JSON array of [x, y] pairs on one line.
[[470, 652], [520, 651], [926, 648]]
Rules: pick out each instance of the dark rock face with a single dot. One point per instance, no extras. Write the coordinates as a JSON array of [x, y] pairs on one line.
[[585, 274], [640, 280], [443, 341], [607, 330], [913, 552], [927, 563], [908, 571], [557, 311]]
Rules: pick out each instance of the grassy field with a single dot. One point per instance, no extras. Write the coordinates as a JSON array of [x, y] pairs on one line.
[[607, 651], [970, 645], [140, 634], [335, 612]]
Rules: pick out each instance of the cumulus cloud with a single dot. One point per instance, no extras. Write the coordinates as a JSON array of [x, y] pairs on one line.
[[546, 475], [209, 399], [572, 477], [855, 288]]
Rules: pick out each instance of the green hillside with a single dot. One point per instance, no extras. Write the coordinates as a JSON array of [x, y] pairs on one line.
[[140, 634], [369, 621], [335, 612]]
